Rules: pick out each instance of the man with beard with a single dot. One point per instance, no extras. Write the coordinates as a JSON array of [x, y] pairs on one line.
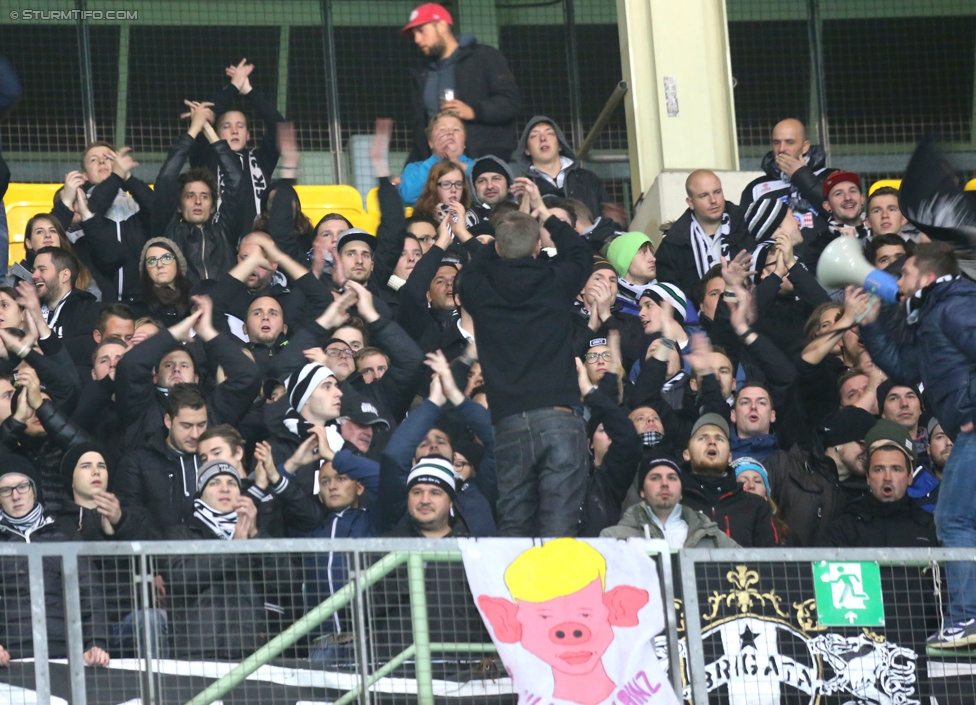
[[710, 488], [925, 483], [461, 75]]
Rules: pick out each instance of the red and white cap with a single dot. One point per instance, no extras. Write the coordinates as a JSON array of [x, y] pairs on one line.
[[428, 12]]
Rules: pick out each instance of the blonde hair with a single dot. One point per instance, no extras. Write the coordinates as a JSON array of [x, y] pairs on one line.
[[555, 569]]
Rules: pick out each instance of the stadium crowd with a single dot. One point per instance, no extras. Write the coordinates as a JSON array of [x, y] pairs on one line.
[[198, 361]]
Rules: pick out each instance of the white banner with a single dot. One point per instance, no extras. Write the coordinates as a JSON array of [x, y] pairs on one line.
[[574, 621]]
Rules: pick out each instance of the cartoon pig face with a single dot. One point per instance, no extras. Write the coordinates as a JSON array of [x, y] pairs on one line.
[[570, 633]]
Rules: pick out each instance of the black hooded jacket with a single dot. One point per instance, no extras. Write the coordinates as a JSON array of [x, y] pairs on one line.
[[579, 183]]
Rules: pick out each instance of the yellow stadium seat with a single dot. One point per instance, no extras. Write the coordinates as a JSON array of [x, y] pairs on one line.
[[21, 203], [893, 183], [345, 200], [373, 204], [971, 185]]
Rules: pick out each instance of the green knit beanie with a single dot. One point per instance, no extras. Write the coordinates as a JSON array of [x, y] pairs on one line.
[[622, 250]]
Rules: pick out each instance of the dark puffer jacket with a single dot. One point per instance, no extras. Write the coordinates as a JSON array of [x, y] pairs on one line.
[[939, 352], [16, 630]]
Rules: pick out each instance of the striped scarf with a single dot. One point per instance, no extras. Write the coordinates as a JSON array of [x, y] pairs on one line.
[[702, 245]]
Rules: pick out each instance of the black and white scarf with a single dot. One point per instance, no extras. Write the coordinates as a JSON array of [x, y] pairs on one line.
[[26, 525], [258, 181], [702, 244], [914, 304], [223, 525]]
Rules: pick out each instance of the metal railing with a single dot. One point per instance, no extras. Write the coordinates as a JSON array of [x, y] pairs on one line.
[[763, 597]]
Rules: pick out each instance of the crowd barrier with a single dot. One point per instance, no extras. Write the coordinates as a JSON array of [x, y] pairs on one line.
[[749, 626]]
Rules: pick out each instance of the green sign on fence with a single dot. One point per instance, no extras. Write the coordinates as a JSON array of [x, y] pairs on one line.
[[848, 594]]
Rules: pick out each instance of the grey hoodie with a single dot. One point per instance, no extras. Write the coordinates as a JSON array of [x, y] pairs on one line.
[[702, 531], [565, 150]]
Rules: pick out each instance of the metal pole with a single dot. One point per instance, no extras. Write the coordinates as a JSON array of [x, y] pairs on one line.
[[332, 90], [76, 640], [42, 667], [674, 653], [152, 651], [573, 74], [815, 29], [602, 119], [693, 634], [84, 64], [421, 630], [361, 644]]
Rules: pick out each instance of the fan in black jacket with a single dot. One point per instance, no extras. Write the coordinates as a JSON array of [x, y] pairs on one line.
[[709, 487], [258, 164], [186, 208], [24, 517], [688, 250], [145, 374]]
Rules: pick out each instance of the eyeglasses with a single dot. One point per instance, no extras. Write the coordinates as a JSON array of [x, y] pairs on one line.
[[461, 464], [593, 357], [22, 488], [456, 185], [165, 259], [425, 239], [342, 354]]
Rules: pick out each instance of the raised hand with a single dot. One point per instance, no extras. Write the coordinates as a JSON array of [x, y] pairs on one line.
[[437, 391], [287, 145], [379, 148], [364, 302], [239, 75], [124, 163], [200, 114], [338, 311], [738, 269], [181, 331], [700, 356], [204, 325], [73, 181]]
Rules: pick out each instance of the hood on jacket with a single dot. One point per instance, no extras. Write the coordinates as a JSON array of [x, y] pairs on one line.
[[522, 159], [505, 168], [816, 159]]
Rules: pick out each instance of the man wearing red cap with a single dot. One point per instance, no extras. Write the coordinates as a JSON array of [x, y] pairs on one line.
[[844, 203], [460, 75]]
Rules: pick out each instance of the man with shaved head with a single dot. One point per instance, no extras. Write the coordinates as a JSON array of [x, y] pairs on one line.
[[710, 229], [795, 174]]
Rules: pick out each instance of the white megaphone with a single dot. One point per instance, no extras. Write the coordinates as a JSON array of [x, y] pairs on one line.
[[843, 263]]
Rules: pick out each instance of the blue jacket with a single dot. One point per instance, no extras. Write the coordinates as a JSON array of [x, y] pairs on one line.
[[939, 351], [307, 517], [414, 177], [475, 499]]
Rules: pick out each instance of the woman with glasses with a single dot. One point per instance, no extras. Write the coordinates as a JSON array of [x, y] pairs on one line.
[[165, 290], [446, 184]]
